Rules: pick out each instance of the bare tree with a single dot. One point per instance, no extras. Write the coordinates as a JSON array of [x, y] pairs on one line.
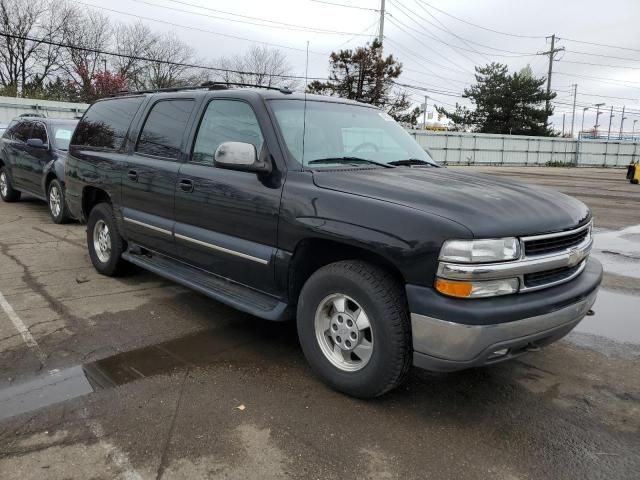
[[133, 40], [91, 31], [260, 65], [169, 71], [26, 57]]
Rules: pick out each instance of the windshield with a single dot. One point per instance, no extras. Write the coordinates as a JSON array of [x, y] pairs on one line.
[[339, 133], [62, 134]]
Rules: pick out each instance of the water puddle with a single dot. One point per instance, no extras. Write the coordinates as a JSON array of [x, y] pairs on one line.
[[615, 327], [253, 342], [619, 251]]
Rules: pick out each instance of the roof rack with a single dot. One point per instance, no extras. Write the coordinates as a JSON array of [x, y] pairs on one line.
[[202, 86]]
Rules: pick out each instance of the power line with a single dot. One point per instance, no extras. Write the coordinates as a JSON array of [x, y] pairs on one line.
[[345, 6], [601, 65], [278, 25], [428, 34], [480, 26], [467, 41], [189, 27], [399, 24], [603, 56], [612, 81], [422, 59], [145, 59], [601, 44], [189, 65], [432, 37]]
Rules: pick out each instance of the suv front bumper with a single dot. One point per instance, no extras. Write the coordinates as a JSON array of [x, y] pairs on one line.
[[453, 334]]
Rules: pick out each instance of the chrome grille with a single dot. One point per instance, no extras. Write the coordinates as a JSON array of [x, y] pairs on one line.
[[549, 277], [547, 244]]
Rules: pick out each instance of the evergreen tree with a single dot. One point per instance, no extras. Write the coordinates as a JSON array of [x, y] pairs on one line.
[[365, 75], [504, 103]]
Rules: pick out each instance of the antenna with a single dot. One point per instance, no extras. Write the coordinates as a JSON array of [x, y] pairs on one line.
[[304, 112]]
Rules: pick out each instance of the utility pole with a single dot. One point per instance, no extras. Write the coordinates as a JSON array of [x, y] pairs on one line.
[[622, 123], [582, 128], [424, 114], [552, 53], [563, 115], [573, 114], [610, 118], [633, 131], [598, 112], [381, 25]]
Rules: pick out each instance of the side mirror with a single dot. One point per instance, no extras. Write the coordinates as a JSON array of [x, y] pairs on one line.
[[239, 156], [36, 143]]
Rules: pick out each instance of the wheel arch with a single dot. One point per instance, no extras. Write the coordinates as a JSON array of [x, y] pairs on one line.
[[312, 254], [92, 196]]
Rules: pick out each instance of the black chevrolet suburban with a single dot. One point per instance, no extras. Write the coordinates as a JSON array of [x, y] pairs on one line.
[[288, 205]]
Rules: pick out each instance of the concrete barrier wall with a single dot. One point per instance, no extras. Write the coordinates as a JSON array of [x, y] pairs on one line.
[[460, 148], [11, 107]]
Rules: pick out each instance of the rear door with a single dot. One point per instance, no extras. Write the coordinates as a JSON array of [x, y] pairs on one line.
[[226, 221], [150, 176]]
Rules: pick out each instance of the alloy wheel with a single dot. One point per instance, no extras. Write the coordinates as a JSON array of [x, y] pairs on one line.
[[344, 332], [102, 241], [4, 186], [55, 201]]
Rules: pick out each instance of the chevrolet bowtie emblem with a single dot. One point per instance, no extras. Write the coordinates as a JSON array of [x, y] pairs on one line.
[[574, 257]]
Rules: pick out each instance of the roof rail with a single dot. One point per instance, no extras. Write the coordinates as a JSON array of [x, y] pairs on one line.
[[203, 86]]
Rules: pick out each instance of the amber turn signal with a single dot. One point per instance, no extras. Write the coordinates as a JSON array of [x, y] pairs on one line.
[[454, 289]]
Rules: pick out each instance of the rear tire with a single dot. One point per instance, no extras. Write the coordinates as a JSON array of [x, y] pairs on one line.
[[57, 205], [104, 241], [354, 328], [7, 192]]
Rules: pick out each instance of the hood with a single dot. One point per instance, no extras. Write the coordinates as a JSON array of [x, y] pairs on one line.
[[486, 205]]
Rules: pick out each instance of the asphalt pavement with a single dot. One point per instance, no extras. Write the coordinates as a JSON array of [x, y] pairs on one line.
[[138, 378]]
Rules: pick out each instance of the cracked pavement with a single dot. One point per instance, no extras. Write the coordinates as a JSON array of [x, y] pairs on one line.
[[184, 364]]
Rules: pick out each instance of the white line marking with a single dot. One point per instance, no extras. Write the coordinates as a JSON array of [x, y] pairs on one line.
[[117, 456], [22, 329]]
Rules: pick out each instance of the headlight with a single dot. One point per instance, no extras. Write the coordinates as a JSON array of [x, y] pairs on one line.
[[486, 288], [480, 251]]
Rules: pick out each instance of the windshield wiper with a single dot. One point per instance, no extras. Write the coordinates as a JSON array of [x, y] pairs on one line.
[[348, 160], [411, 161]]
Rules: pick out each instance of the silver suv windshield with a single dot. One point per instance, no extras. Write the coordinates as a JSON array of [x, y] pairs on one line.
[[344, 134]]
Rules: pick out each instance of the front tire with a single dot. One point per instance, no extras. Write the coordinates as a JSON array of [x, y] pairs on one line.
[[57, 205], [354, 328], [7, 192], [104, 241]]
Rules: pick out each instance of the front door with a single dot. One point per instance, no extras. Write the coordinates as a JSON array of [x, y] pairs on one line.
[[15, 148], [150, 176], [36, 158], [226, 221]]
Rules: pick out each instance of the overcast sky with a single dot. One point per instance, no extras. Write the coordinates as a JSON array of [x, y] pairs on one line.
[[418, 34]]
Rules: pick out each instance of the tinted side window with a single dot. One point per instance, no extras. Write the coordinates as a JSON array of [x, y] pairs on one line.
[[162, 133], [106, 123], [21, 131], [39, 131], [226, 121]]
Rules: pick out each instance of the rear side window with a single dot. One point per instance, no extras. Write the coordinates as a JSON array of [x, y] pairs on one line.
[[162, 133], [106, 123]]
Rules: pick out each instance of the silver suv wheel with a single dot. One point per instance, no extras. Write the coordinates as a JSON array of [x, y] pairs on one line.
[[102, 241], [343, 332], [3, 184]]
